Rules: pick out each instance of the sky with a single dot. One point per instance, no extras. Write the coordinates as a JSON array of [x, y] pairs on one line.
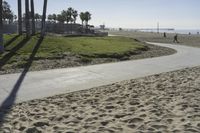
[[178, 14]]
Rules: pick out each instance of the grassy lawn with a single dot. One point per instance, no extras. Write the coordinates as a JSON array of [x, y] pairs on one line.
[[53, 47], [86, 46]]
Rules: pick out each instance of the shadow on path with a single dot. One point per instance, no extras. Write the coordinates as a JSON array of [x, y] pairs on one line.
[[10, 100], [12, 52], [11, 41]]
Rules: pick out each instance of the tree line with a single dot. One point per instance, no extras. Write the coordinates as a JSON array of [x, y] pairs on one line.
[[5, 13], [66, 16], [70, 16]]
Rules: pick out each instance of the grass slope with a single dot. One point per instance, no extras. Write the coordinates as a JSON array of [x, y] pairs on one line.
[[56, 47], [78, 45]]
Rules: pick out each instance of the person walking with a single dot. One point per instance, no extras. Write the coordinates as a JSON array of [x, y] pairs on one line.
[[176, 39], [164, 35]]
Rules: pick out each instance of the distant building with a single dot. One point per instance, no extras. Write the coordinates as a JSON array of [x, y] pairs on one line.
[[63, 28]]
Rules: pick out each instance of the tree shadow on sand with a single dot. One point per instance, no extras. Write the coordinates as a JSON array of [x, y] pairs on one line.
[[10, 100]]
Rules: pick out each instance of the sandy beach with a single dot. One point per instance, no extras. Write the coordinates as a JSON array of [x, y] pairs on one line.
[[184, 39], [164, 103]]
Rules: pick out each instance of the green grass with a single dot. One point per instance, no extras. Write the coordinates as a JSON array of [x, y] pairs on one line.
[[85, 46], [55, 47]]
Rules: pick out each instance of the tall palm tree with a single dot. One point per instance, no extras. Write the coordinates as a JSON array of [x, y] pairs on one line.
[[27, 18], [50, 17], [1, 28], [74, 14], [60, 18], [70, 16], [20, 17], [43, 18], [54, 17], [82, 17], [70, 13], [37, 17], [33, 17], [87, 17]]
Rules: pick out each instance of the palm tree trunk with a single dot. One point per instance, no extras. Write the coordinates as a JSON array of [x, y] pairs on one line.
[[44, 18], [33, 17], [27, 19], [1, 28], [20, 17], [71, 27]]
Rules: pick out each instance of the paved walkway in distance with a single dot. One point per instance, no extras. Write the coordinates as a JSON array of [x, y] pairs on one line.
[[51, 82]]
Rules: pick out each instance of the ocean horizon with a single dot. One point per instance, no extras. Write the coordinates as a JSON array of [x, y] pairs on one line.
[[162, 30], [178, 31]]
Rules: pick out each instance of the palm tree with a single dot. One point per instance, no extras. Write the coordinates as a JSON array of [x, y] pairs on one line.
[[87, 17], [15, 17], [37, 16], [33, 17], [69, 14], [74, 14], [7, 14], [20, 17], [65, 16], [27, 18], [37, 19], [43, 18], [60, 18], [1, 28], [54, 17], [82, 17], [50, 17], [68, 17]]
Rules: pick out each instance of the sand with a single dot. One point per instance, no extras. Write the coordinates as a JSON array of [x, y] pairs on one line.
[[163, 103], [184, 39]]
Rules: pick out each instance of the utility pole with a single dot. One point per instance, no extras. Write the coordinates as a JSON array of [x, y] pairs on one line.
[[158, 27]]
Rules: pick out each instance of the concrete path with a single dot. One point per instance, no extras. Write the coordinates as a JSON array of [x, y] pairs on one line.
[[34, 85]]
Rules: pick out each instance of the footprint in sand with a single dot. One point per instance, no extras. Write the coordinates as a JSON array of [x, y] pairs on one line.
[[109, 107], [133, 103], [176, 131], [143, 115], [104, 123], [33, 130], [121, 115], [132, 126], [170, 120], [159, 127], [91, 119], [102, 115], [135, 120], [198, 125], [192, 130]]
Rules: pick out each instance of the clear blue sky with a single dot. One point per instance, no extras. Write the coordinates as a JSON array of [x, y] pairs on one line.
[[179, 14]]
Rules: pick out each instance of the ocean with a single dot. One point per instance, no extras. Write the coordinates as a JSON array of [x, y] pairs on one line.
[[178, 31]]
